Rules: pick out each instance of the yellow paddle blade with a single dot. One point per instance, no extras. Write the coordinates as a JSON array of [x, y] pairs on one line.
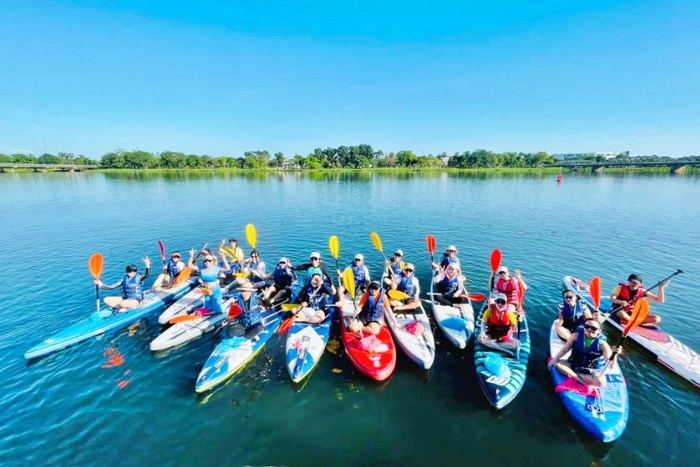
[[229, 251], [403, 265], [376, 241], [334, 246], [349, 282], [398, 295], [289, 306], [240, 274], [251, 235]]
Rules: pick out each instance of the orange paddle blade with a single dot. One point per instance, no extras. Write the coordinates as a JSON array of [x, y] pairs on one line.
[[430, 242], [595, 291], [234, 311], [96, 264], [183, 318], [286, 324], [477, 297], [495, 260], [183, 276], [640, 311], [206, 291]]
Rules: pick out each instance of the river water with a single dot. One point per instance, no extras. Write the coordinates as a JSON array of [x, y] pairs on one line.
[[66, 409]]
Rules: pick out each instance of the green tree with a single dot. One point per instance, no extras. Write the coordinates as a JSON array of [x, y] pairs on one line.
[[279, 159], [49, 159], [5, 159], [173, 160]]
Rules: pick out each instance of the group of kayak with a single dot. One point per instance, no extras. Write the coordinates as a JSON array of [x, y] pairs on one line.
[[245, 306]]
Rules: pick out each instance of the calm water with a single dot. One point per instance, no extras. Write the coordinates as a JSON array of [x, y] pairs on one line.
[[67, 410]]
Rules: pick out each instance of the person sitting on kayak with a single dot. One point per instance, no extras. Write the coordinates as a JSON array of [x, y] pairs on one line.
[[499, 322], [590, 353], [509, 286], [625, 295], [393, 269], [238, 256], [132, 288], [313, 298], [282, 278], [209, 278], [360, 271], [408, 285], [314, 265], [372, 305], [170, 270], [256, 273], [249, 323], [450, 286], [448, 257], [572, 314]]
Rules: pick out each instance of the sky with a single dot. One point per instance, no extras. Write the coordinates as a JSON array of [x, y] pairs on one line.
[[224, 77]]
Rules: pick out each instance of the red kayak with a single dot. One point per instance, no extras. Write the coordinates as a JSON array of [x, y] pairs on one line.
[[373, 356]]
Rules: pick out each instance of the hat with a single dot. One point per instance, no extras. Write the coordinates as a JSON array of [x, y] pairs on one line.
[[409, 266], [283, 260], [635, 278], [316, 273], [452, 247], [232, 240], [398, 252], [131, 268], [374, 285], [500, 296], [502, 269], [209, 257], [359, 256], [315, 254]]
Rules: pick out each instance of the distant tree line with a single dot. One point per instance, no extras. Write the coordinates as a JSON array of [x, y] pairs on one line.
[[355, 157]]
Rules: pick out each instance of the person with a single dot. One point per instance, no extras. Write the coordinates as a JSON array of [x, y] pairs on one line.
[[625, 294], [448, 257], [449, 286], [238, 256], [316, 264], [255, 268], [509, 286], [313, 298], [590, 353], [393, 268], [171, 269], [281, 280], [209, 278], [572, 314], [372, 305], [498, 323], [249, 323], [361, 273], [408, 284], [132, 288]]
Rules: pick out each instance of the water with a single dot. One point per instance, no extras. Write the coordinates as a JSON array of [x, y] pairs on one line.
[[67, 410]]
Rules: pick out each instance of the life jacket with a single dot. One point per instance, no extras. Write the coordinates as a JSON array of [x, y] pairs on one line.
[[359, 272], [448, 287], [573, 316], [408, 286], [511, 289], [282, 277], [374, 307], [446, 261], [591, 357], [626, 295], [499, 326], [254, 267], [395, 268], [314, 296], [250, 315], [131, 288], [175, 267]]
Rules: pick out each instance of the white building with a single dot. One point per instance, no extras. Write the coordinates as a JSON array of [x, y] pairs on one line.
[[579, 155]]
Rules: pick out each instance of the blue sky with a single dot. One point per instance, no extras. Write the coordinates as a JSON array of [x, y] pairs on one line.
[[223, 77]]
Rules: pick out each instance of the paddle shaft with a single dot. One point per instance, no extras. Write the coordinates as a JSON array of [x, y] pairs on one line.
[[631, 302]]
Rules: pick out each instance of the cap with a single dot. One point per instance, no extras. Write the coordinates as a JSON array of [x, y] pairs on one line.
[[359, 256], [316, 273], [452, 248], [131, 268], [315, 254], [283, 260], [500, 296], [374, 285], [409, 266], [209, 257], [232, 240], [502, 269], [635, 278], [398, 252]]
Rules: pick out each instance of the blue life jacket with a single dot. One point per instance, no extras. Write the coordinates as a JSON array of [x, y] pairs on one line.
[[573, 317], [251, 316], [314, 295], [174, 267], [448, 287], [359, 273], [446, 261], [282, 277], [131, 288], [395, 268], [408, 286], [373, 309], [591, 357], [254, 267]]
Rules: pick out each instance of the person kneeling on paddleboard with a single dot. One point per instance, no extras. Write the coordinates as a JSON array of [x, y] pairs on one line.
[[132, 288], [625, 294], [408, 284], [170, 270], [450, 285], [590, 354], [313, 298], [372, 305], [209, 278], [572, 314], [499, 322], [249, 323]]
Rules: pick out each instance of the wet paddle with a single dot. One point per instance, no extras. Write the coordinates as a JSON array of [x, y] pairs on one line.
[[183, 276], [349, 284], [430, 243], [377, 242], [334, 246], [639, 313], [251, 235], [595, 292], [96, 264], [162, 251]]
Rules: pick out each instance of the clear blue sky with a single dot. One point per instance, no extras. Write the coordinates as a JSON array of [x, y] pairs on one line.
[[210, 77]]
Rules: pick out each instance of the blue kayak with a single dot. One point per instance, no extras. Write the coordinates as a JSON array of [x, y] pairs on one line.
[[305, 345], [602, 412], [500, 389], [233, 353], [105, 321]]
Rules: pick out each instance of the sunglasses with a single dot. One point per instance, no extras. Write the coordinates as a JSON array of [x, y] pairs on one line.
[[500, 301], [568, 297], [408, 270], [208, 260], [358, 259], [313, 258], [398, 255], [589, 327]]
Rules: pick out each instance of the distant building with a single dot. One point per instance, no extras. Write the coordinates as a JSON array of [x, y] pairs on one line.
[[579, 155], [444, 158]]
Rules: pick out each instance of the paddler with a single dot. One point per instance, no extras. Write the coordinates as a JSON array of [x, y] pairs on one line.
[[572, 314], [132, 288], [393, 269], [255, 268], [448, 257], [170, 270], [449, 285], [360, 271], [313, 298], [372, 305], [238, 256], [499, 322], [314, 265], [408, 284], [282, 278], [235, 261], [590, 353], [209, 279], [509, 286], [625, 294], [249, 323]]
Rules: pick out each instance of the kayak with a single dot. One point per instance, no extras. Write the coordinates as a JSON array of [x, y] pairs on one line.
[[456, 323], [187, 304], [501, 389], [95, 324], [305, 345], [373, 356], [419, 347], [602, 412], [231, 355], [669, 351], [185, 331]]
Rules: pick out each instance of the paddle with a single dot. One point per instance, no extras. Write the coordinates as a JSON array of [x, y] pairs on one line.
[[96, 264], [251, 235], [183, 276], [398, 295], [639, 313], [334, 246], [162, 252], [612, 313], [430, 242], [349, 284], [477, 297], [290, 306], [495, 263], [183, 318], [595, 292], [377, 242], [230, 252]]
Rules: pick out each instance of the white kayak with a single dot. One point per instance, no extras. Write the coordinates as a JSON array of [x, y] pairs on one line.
[[187, 304], [456, 322], [418, 346]]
